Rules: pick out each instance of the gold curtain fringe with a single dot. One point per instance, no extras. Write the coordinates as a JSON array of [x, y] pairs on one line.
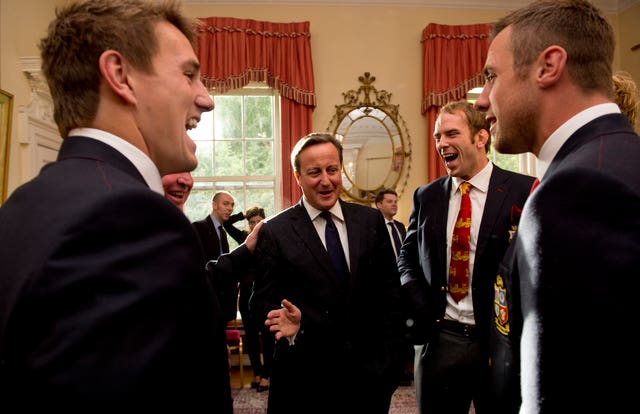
[[265, 33], [303, 97], [453, 94], [462, 36]]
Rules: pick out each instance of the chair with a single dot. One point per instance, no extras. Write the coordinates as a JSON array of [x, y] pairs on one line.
[[234, 342]]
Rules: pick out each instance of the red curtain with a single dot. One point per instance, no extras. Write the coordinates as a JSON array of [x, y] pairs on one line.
[[234, 52], [453, 58]]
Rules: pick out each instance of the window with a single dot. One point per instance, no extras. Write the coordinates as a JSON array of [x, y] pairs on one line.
[[238, 151]]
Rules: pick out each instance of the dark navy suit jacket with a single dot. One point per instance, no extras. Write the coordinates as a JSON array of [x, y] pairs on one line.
[[104, 301], [578, 259], [226, 289], [351, 342], [423, 257]]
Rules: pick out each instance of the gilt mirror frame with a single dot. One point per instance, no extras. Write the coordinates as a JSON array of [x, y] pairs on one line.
[[375, 140], [6, 111]]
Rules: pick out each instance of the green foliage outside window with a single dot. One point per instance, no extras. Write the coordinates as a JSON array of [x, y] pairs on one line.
[[236, 152]]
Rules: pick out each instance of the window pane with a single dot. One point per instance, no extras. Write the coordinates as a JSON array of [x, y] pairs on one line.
[[204, 153], [263, 197], [260, 158], [509, 162], [229, 159], [228, 117], [236, 145], [258, 117], [198, 205]]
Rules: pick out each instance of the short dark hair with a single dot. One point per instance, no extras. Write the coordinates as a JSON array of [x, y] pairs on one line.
[[313, 138], [380, 194]]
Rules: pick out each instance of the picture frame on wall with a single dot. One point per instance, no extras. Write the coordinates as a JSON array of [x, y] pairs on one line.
[[6, 111]]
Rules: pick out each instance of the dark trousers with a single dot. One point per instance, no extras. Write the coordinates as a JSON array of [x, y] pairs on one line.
[[450, 372], [258, 338]]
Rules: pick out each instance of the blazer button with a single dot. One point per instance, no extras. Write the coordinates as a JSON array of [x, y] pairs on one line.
[[443, 288]]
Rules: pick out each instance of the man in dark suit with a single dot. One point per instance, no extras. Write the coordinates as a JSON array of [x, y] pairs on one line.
[[451, 329], [387, 202], [214, 241], [577, 250], [349, 353], [104, 301]]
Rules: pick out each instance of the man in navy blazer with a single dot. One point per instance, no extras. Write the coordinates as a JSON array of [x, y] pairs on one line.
[[577, 251], [104, 300], [348, 355], [210, 236], [451, 364]]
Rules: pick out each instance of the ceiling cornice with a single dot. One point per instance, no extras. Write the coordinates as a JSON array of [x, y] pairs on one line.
[[608, 6]]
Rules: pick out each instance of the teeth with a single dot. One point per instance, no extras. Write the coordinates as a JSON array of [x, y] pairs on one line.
[[192, 123]]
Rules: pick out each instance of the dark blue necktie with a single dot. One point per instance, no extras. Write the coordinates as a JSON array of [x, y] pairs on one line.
[[224, 243], [334, 247], [396, 238]]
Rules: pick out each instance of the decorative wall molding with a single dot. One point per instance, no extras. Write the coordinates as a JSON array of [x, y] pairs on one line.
[[37, 132]]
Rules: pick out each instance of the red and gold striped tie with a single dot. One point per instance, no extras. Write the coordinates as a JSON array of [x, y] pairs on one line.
[[459, 265]]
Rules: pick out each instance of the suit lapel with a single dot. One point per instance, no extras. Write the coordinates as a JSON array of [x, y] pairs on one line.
[[354, 226], [496, 194], [304, 228]]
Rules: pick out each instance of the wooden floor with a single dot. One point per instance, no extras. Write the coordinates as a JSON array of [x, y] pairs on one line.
[[235, 376]]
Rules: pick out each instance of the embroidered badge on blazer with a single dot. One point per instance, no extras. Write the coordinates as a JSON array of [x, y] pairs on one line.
[[500, 309]]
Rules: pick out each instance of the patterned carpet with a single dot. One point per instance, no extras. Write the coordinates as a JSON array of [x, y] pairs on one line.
[[248, 401]]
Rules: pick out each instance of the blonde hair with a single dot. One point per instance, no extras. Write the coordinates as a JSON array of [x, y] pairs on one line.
[[625, 94]]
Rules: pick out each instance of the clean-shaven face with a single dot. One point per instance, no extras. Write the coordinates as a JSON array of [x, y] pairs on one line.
[[177, 188], [388, 206], [320, 176], [170, 100], [223, 207], [461, 152]]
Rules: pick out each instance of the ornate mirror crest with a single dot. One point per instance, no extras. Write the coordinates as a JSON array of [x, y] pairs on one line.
[[375, 140]]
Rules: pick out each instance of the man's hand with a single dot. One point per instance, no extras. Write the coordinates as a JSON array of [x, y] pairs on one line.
[[285, 322], [252, 238]]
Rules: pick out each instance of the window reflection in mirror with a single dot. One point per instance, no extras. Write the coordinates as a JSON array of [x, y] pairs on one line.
[[376, 150]]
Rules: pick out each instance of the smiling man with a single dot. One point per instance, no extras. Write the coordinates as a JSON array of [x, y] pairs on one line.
[[177, 188], [104, 299], [450, 290], [349, 353], [548, 91]]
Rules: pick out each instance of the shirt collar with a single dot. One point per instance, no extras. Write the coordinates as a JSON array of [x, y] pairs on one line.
[[139, 159], [480, 181], [313, 212], [555, 141]]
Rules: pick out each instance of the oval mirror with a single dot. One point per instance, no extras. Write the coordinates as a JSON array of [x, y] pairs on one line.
[[376, 149]]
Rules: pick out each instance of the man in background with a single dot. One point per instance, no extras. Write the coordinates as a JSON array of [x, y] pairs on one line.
[[459, 230], [548, 91], [213, 238], [258, 340], [177, 188], [387, 202]]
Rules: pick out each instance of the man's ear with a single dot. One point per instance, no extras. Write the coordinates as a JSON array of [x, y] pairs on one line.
[[552, 63], [482, 137], [115, 71]]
